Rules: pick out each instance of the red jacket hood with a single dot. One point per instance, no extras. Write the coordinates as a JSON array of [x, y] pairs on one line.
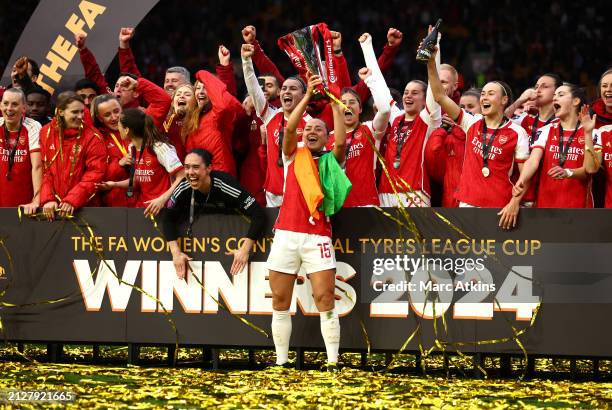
[[603, 117]]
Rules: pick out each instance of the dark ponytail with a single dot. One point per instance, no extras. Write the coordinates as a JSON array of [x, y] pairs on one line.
[[556, 79], [142, 126], [506, 91]]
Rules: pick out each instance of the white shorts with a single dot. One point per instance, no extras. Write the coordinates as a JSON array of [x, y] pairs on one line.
[[273, 201], [416, 199], [466, 205], [294, 250]]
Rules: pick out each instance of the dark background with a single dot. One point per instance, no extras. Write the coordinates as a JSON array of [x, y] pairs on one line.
[[522, 39]]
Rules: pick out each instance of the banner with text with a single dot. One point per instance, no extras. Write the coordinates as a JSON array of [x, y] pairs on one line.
[[461, 282], [48, 38]]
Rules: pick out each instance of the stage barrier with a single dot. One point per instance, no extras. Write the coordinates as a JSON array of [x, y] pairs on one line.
[[462, 284]]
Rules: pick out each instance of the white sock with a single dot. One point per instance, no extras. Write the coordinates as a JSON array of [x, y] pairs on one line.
[[330, 330], [281, 333]]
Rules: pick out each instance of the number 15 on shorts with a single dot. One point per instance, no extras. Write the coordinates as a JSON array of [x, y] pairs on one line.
[[325, 250]]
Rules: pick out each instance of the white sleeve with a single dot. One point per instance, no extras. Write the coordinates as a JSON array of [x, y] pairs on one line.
[[382, 97], [521, 152], [33, 128], [166, 155], [370, 58], [468, 119], [542, 137], [518, 119], [395, 112], [259, 99]]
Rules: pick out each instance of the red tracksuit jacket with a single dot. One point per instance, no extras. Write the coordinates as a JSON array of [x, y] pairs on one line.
[[70, 174]]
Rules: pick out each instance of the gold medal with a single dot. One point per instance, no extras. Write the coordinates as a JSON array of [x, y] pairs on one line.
[[396, 164], [485, 171]]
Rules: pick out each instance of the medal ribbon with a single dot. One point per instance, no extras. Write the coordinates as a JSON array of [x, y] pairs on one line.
[[401, 139], [486, 146], [12, 151], [564, 148]]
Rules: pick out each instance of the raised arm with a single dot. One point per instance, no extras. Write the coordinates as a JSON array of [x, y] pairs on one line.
[[290, 137], [339, 133], [382, 101], [255, 91], [90, 65], [159, 101], [385, 60], [437, 91], [127, 62], [261, 60], [344, 77], [527, 95], [433, 108], [225, 70]]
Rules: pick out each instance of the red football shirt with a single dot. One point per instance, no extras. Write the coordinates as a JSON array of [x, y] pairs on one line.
[[294, 215], [511, 144], [531, 124], [602, 141], [275, 121], [152, 172], [16, 188], [566, 192], [412, 135], [360, 166]]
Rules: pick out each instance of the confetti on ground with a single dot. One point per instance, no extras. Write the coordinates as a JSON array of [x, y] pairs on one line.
[[147, 387]]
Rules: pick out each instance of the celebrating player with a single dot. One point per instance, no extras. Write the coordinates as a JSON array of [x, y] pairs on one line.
[[303, 233], [154, 163], [493, 144], [563, 182]]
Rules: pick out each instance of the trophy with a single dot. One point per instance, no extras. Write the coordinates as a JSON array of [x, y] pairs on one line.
[[426, 49], [310, 50]]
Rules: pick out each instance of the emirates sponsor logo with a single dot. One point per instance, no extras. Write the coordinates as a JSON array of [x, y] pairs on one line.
[[145, 172]]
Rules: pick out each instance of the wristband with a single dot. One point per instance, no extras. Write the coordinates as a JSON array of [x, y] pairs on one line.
[[569, 172]]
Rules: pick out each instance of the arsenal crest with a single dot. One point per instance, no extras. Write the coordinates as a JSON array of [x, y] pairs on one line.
[[503, 139], [581, 140], [22, 140], [147, 161]]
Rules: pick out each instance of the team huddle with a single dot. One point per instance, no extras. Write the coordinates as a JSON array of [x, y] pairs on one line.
[[194, 148]]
